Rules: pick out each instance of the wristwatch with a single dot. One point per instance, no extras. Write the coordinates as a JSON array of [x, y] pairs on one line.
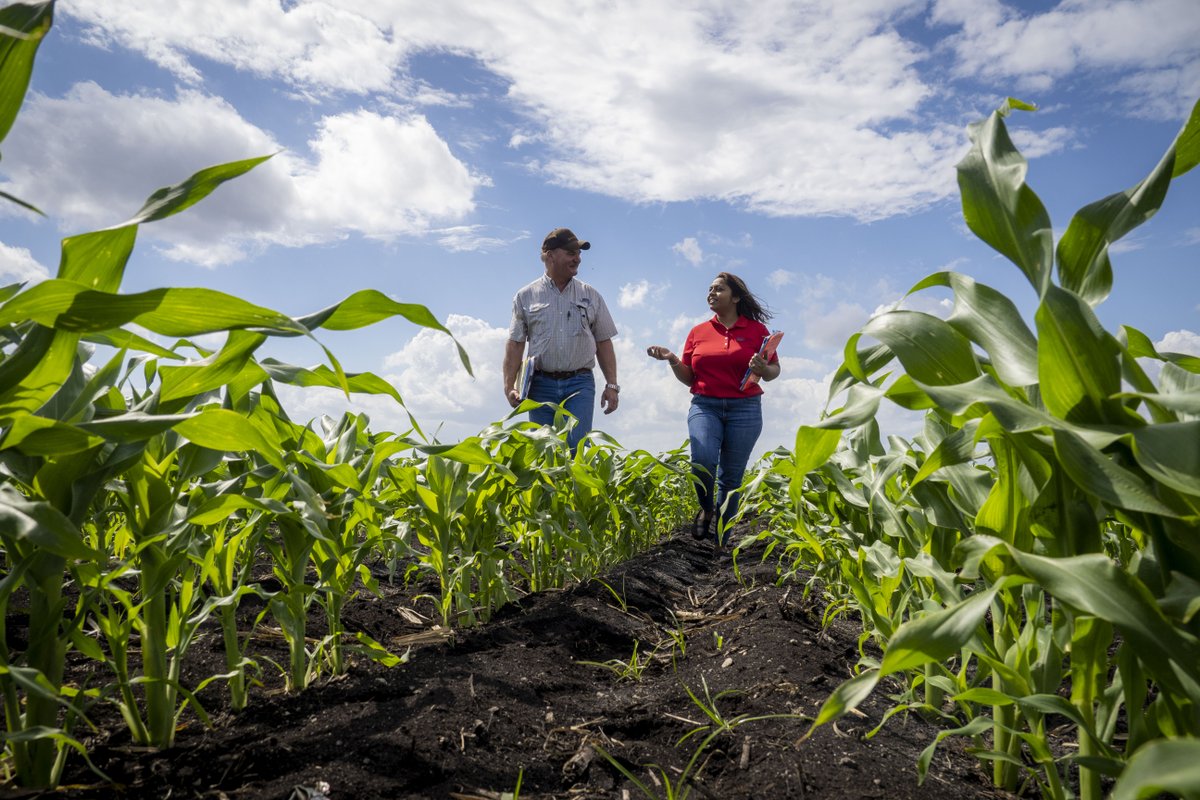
[[615, 387]]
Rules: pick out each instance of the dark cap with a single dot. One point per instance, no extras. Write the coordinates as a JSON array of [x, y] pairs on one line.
[[562, 237]]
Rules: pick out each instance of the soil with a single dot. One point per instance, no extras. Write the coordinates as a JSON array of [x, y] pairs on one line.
[[476, 711]]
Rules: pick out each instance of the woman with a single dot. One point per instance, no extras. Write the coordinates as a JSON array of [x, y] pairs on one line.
[[724, 421]]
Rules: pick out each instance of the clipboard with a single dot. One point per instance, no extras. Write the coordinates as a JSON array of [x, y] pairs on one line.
[[770, 344], [525, 377]]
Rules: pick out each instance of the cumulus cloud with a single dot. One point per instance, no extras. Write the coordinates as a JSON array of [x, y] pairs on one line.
[[827, 331], [365, 173], [781, 278], [635, 295], [1181, 341], [1155, 39], [737, 105], [689, 249], [17, 265]]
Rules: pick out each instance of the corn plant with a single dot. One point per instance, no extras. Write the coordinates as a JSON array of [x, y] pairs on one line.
[[1048, 518]]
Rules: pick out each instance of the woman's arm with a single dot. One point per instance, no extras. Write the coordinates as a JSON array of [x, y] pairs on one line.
[[683, 373]]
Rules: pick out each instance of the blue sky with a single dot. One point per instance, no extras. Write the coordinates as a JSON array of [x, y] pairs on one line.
[[424, 149]]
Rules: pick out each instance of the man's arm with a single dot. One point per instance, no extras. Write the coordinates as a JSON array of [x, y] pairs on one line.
[[606, 357], [512, 362]]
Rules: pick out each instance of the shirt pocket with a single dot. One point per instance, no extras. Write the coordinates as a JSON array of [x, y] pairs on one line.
[[584, 313]]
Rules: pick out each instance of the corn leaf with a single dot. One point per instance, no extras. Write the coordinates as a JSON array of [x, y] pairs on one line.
[[999, 206], [1170, 766], [221, 429], [992, 321], [22, 28], [171, 200], [66, 305], [931, 351], [1104, 478], [1078, 361], [369, 306], [43, 526]]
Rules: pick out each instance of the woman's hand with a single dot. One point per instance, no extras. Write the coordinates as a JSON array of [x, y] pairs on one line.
[[662, 354], [762, 368]]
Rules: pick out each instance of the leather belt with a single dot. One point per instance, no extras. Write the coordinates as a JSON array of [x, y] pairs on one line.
[[562, 376]]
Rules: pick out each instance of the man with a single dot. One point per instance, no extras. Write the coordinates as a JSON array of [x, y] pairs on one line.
[[568, 329]]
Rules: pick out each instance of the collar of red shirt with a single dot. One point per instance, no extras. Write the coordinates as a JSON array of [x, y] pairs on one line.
[[741, 322]]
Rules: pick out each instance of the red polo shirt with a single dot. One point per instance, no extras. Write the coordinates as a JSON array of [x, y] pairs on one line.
[[719, 356]]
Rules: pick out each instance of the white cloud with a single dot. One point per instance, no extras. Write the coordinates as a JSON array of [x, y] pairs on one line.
[[367, 174], [781, 278], [1034, 144], [316, 46], [1181, 341], [689, 249], [737, 104], [634, 295], [782, 108], [827, 332], [1156, 39], [17, 265]]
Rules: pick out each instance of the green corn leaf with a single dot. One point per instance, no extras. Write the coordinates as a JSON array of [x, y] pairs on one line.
[[1187, 144], [931, 351], [97, 260], [24, 204], [1170, 454], [814, 446], [850, 694], [1082, 255], [1103, 478], [1168, 766], [172, 199], [957, 448], [861, 404], [39, 436], [991, 320], [22, 28], [1094, 585], [1078, 361], [66, 305], [939, 635], [128, 340], [222, 507], [1139, 346], [221, 429], [43, 526], [999, 206], [468, 451], [133, 426], [36, 370], [213, 372], [358, 382], [858, 366], [369, 306]]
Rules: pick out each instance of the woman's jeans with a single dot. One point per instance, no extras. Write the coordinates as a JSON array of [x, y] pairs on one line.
[[552, 390], [722, 432]]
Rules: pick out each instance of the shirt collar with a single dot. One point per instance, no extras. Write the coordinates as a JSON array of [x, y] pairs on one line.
[[740, 323]]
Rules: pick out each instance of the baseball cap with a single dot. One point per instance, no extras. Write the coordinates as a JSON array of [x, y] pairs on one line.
[[564, 238]]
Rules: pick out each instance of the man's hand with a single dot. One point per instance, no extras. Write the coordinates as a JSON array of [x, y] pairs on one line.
[[609, 400], [514, 399]]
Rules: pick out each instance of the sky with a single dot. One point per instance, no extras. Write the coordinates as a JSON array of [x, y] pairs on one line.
[[425, 149]]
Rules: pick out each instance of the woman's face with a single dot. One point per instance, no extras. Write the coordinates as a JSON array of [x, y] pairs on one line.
[[720, 297]]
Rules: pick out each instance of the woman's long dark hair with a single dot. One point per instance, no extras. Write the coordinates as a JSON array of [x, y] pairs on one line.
[[748, 306]]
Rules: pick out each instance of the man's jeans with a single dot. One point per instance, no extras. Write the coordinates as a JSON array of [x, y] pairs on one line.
[[722, 432], [550, 390]]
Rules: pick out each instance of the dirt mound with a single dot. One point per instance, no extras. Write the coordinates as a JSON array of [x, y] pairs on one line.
[[474, 710]]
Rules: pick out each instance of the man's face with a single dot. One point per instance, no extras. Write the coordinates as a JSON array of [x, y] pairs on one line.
[[563, 263]]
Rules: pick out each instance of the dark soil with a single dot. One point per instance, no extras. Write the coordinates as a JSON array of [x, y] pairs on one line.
[[476, 711]]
